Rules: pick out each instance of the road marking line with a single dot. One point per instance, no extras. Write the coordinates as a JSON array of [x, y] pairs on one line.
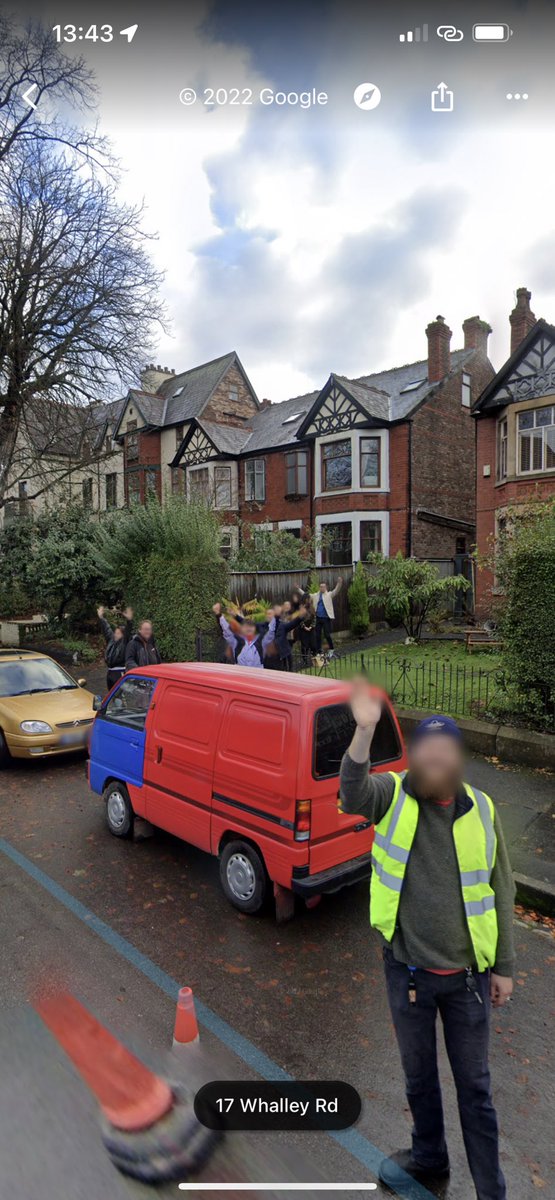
[[352, 1141]]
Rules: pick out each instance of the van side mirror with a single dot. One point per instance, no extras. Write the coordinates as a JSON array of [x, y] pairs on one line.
[[97, 703], [82, 682]]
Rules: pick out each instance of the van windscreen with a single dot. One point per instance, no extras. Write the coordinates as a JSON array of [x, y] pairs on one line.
[[334, 727]]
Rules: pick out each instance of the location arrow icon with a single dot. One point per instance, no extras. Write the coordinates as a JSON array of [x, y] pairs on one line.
[[130, 32]]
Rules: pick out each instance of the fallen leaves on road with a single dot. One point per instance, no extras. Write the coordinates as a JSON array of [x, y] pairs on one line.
[[529, 914]]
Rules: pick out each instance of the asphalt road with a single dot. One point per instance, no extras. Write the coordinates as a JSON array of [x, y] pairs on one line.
[[308, 995]]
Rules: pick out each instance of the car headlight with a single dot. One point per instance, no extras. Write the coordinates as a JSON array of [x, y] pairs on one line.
[[35, 727]]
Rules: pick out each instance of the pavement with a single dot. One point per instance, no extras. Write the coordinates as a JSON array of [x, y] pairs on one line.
[[122, 924]]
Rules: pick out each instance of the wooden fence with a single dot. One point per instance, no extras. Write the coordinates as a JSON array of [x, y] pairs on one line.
[[276, 586]]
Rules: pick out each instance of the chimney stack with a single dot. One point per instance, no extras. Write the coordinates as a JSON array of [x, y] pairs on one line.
[[522, 318], [265, 403], [476, 334], [439, 357]]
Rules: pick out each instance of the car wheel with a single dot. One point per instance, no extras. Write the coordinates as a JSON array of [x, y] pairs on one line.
[[244, 877], [5, 756], [119, 813]]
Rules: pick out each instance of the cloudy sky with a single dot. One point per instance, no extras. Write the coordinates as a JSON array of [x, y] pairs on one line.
[[322, 239]]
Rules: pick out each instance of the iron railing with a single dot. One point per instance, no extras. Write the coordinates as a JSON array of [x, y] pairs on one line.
[[436, 685]]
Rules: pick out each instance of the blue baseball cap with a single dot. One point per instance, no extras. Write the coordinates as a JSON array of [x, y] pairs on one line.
[[437, 724]]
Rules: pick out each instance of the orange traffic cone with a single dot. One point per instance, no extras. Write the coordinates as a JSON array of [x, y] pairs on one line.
[[186, 1025], [149, 1126]]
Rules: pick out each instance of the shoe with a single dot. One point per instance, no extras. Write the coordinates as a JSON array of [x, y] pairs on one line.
[[393, 1170]]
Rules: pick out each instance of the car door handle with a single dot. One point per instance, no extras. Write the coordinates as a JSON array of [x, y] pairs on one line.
[[159, 752], [363, 825], [135, 745]]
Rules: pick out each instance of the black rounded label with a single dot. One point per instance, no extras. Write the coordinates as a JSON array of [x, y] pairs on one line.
[[306, 1104]]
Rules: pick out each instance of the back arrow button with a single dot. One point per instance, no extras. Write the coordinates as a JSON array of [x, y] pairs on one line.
[[27, 95]]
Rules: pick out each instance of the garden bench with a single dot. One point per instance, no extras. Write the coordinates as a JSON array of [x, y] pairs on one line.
[[480, 637]]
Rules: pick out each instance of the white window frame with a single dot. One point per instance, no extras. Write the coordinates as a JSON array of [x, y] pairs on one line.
[[354, 435], [232, 532], [211, 466], [223, 467], [356, 518], [253, 499], [290, 524], [534, 472]]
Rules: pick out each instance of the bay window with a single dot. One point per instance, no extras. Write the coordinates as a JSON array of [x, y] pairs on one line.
[[370, 461], [536, 440], [502, 447], [199, 483], [337, 470], [222, 487], [370, 538]]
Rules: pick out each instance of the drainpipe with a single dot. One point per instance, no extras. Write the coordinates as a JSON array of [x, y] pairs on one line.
[[409, 538]]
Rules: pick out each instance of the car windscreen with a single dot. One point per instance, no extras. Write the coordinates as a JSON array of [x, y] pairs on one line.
[[334, 727], [28, 675]]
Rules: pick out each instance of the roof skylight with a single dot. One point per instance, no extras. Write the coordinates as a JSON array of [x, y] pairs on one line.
[[295, 417], [411, 387]]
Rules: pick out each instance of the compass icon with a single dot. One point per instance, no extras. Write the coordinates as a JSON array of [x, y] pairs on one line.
[[367, 95]]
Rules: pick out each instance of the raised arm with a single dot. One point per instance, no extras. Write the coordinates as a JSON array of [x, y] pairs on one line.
[[338, 586], [359, 791], [104, 624]]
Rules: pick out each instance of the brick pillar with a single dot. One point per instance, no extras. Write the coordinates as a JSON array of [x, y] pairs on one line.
[[522, 318], [476, 334], [439, 357]]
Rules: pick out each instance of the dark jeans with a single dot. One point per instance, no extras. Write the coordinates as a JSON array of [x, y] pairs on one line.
[[307, 638], [466, 1031], [323, 629], [114, 675]]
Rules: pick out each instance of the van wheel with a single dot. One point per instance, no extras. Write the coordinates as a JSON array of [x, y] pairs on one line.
[[243, 876], [119, 813], [5, 756]]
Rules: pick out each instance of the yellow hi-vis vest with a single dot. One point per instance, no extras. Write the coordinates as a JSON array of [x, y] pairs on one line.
[[476, 847]]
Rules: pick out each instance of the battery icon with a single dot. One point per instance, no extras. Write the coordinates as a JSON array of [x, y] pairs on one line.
[[491, 33]]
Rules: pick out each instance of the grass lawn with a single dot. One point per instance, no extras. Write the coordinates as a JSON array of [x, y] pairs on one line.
[[439, 676]]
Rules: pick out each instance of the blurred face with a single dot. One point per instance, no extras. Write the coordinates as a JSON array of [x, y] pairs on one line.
[[270, 613], [436, 764], [286, 607], [249, 630], [146, 630], [118, 634], [323, 587]]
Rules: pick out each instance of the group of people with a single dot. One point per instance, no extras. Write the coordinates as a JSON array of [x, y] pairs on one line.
[[126, 649], [306, 617]]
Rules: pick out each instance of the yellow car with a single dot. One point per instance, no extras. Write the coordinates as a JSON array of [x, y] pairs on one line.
[[43, 711]]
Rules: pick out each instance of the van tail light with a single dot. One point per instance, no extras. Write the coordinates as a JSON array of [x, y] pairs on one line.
[[302, 820]]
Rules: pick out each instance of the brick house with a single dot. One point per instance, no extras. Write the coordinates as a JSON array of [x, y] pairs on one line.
[[515, 435], [384, 462]]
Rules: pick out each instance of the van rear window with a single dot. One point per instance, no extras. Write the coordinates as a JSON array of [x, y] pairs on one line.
[[333, 731]]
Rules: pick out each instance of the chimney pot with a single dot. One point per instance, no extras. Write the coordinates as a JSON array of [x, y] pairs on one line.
[[476, 334], [522, 318], [439, 357]]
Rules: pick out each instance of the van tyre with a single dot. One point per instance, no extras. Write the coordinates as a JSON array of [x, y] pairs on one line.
[[244, 877], [119, 813], [5, 756]]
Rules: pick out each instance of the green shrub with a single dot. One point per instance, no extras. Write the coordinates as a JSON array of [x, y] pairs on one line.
[[357, 595], [411, 590], [167, 565], [526, 571]]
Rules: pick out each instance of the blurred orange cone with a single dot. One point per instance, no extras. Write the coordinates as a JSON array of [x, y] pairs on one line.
[[186, 1025], [131, 1097]]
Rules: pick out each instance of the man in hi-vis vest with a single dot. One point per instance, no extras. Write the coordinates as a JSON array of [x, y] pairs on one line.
[[442, 898]]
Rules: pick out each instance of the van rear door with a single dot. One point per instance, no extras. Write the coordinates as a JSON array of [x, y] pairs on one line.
[[334, 836]]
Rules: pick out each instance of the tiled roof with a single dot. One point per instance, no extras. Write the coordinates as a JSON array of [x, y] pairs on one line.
[[395, 380], [197, 386]]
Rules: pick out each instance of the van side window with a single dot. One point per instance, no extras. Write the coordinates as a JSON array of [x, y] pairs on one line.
[[130, 704], [334, 727]]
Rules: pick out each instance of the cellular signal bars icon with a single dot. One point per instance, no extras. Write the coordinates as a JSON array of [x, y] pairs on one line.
[[420, 34]]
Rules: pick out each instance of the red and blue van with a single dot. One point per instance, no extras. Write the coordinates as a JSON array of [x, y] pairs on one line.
[[244, 764]]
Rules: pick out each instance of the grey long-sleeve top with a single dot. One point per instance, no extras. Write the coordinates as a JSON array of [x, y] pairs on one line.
[[432, 930]]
